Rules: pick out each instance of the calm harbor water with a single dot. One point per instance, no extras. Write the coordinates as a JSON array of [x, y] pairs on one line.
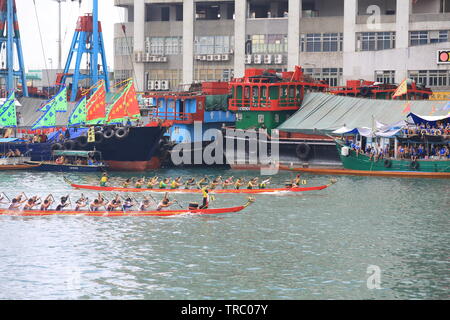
[[315, 245]]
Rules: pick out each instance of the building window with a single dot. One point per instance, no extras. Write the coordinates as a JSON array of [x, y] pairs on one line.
[[321, 42], [164, 45], [431, 78], [385, 76], [268, 43], [123, 46], [122, 75], [417, 38], [332, 76], [374, 41], [214, 44]]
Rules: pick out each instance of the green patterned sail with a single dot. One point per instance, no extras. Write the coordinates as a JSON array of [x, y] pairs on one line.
[[47, 120], [78, 116], [8, 115], [59, 102]]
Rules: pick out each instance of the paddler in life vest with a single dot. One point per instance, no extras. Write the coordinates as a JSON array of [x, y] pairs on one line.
[[238, 184], [165, 203], [252, 183], [203, 182], [152, 182], [104, 180], [47, 202], [206, 199], [163, 184], [139, 184], [126, 184], [176, 183], [264, 183]]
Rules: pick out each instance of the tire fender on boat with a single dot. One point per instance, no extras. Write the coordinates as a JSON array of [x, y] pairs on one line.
[[57, 146], [108, 133], [121, 133], [302, 151], [82, 141]]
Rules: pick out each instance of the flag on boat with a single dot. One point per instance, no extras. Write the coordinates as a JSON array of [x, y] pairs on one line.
[[8, 114], [96, 106], [402, 89], [126, 105], [91, 135], [78, 116], [407, 108], [59, 102], [47, 120]]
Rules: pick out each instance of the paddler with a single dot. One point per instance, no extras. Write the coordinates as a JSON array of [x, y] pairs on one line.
[[47, 202], [31, 203], [104, 180], [164, 183], [252, 183], [126, 184], [152, 182], [203, 182], [189, 183], [165, 202], [238, 184], [114, 204], [97, 203], [228, 182], [264, 183], [128, 204], [17, 202], [64, 203], [216, 182], [81, 203], [139, 184], [145, 204], [296, 181], [176, 183]]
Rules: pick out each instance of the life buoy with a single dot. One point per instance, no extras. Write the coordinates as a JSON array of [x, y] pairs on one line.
[[365, 91], [82, 141], [414, 165], [108, 133], [121, 133], [57, 146], [438, 133], [69, 145], [302, 151], [387, 163], [423, 132], [99, 137]]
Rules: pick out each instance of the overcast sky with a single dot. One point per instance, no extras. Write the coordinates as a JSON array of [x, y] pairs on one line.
[[47, 14]]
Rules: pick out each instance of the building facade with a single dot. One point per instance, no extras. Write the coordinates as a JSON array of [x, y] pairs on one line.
[[164, 44]]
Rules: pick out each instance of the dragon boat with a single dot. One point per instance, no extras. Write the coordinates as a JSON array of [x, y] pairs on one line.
[[162, 213]]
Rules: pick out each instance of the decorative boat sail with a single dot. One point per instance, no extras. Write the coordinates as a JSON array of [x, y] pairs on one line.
[[59, 102], [48, 119], [125, 106], [8, 115], [96, 106], [78, 116]]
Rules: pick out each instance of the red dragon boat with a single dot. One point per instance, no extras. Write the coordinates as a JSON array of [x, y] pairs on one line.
[[162, 213], [214, 191]]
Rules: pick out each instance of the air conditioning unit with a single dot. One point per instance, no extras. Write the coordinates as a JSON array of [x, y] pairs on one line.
[[268, 59], [279, 59], [225, 57], [210, 57], [157, 84], [199, 57], [248, 59], [152, 59], [217, 57], [164, 84], [434, 35], [257, 59], [146, 57], [138, 56], [151, 85], [203, 57], [162, 59]]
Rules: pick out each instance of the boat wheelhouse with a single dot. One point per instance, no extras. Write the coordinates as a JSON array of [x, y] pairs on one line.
[[72, 161]]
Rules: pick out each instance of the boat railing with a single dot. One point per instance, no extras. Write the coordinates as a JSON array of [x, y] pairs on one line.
[[264, 103], [179, 117]]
